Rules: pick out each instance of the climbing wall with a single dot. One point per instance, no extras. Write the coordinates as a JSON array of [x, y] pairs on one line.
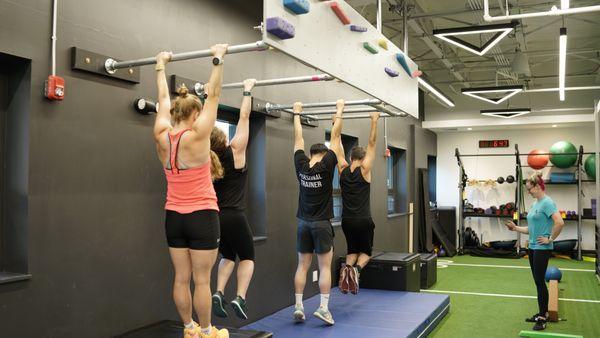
[[333, 37]]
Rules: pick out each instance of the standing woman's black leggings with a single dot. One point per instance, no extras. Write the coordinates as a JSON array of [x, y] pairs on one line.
[[538, 259]]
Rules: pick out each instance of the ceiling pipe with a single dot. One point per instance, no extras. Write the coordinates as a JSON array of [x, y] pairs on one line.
[[554, 11]]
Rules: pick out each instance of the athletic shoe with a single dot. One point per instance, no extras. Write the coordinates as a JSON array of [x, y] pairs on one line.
[[215, 333], [324, 315], [192, 333], [218, 305], [540, 324], [532, 319], [299, 314], [239, 306], [353, 280], [343, 284]]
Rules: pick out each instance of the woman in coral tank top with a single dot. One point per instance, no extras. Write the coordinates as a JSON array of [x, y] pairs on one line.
[[181, 132]]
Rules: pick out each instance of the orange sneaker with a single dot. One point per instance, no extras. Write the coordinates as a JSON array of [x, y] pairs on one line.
[[192, 333], [214, 333]]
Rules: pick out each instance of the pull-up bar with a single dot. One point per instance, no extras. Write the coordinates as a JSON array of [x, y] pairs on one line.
[[351, 117], [271, 107], [285, 80], [111, 65], [374, 103], [333, 111]]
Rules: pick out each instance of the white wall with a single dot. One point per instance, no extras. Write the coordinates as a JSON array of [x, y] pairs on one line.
[[492, 229]]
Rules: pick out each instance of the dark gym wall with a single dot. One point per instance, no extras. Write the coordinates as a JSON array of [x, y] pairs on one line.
[[96, 243]]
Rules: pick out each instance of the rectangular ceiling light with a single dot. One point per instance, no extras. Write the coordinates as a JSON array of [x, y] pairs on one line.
[[562, 62], [450, 35], [564, 4], [432, 89], [506, 113], [509, 91]]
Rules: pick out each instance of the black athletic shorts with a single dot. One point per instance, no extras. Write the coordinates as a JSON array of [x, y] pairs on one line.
[[359, 234], [198, 230], [236, 235], [314, 236]]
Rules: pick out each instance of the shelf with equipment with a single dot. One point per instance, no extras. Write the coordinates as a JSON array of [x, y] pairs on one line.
[[578, 182]]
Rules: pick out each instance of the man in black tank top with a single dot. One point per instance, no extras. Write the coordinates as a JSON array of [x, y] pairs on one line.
[[357, 224], [315, 209]]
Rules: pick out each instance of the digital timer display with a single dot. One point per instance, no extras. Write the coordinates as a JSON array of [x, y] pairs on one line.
[[493, 144]]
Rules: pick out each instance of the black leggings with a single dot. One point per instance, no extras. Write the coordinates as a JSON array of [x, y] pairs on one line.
[[538, 259]]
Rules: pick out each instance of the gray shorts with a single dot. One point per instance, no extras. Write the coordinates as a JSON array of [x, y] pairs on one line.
[[314, 236]]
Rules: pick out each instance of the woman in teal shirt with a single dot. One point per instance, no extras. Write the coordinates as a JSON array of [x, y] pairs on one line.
[[544, 224]]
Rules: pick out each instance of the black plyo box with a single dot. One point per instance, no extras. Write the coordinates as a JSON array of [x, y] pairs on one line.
[[393, 271], [428, 270]]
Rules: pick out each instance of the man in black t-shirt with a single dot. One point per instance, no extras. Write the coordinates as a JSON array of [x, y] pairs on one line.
[[315, 209]]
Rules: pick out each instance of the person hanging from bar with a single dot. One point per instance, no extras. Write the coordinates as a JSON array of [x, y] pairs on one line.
[[357, 224], [544, 224], [315, 210], [182, 135], [236, 235]]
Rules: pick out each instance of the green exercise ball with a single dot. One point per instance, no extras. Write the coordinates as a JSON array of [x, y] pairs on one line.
[[563, 161], [590, 166]]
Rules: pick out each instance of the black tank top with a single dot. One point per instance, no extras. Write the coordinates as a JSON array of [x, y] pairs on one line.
[[231, 189], [356, 193]]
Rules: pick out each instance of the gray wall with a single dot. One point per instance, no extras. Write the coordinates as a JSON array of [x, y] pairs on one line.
[[97, 251]]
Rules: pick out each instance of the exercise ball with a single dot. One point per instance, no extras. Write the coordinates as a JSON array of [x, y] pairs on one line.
[[553, 273], [590, 166], [537, 159], [557, 156]]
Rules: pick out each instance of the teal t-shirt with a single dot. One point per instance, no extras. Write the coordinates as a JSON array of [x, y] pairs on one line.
[[540, 223]]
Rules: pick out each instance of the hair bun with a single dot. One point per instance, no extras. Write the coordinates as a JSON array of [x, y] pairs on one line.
[[183, 91]]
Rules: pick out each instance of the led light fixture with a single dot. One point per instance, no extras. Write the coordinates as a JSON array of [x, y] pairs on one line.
[[562, 62], [450, 35], [432, 89], [509, 91], [506, 113]]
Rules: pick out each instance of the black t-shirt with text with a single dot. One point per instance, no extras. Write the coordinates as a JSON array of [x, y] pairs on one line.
[[315, 202]]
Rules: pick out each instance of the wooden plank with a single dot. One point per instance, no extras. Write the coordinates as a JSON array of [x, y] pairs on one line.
[[553, 301]]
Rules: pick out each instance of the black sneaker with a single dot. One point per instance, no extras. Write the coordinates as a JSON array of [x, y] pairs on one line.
[[532, 319], [239, 306], [218, 305], [540, 324]]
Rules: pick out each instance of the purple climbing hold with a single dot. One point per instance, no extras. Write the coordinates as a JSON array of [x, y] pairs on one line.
[[280, 28]]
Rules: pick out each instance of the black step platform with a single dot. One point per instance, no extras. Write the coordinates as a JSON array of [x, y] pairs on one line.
[[173, 329]]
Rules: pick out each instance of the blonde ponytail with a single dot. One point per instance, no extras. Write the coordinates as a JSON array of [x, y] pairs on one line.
[[216, 168]]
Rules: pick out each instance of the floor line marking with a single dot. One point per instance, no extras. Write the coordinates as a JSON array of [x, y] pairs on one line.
[[509, 296], [511, 267]]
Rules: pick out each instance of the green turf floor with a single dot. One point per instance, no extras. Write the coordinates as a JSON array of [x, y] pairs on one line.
[[502, 317]]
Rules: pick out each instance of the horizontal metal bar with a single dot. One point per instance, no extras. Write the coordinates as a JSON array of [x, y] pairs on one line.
[[539, 90], [500, 155], [325, 104], [285, 80], [553, 12], [351, 117], [112, 65], [333, 111]]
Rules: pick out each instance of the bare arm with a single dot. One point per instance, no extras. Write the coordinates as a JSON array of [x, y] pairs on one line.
[[206, 121], [163, 115], [336, 136], [513, 227], [558, 225], [298, 139], [239, 143], [370, 155]]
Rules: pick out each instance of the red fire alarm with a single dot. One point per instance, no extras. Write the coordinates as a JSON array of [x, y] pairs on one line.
[[55, 88]]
